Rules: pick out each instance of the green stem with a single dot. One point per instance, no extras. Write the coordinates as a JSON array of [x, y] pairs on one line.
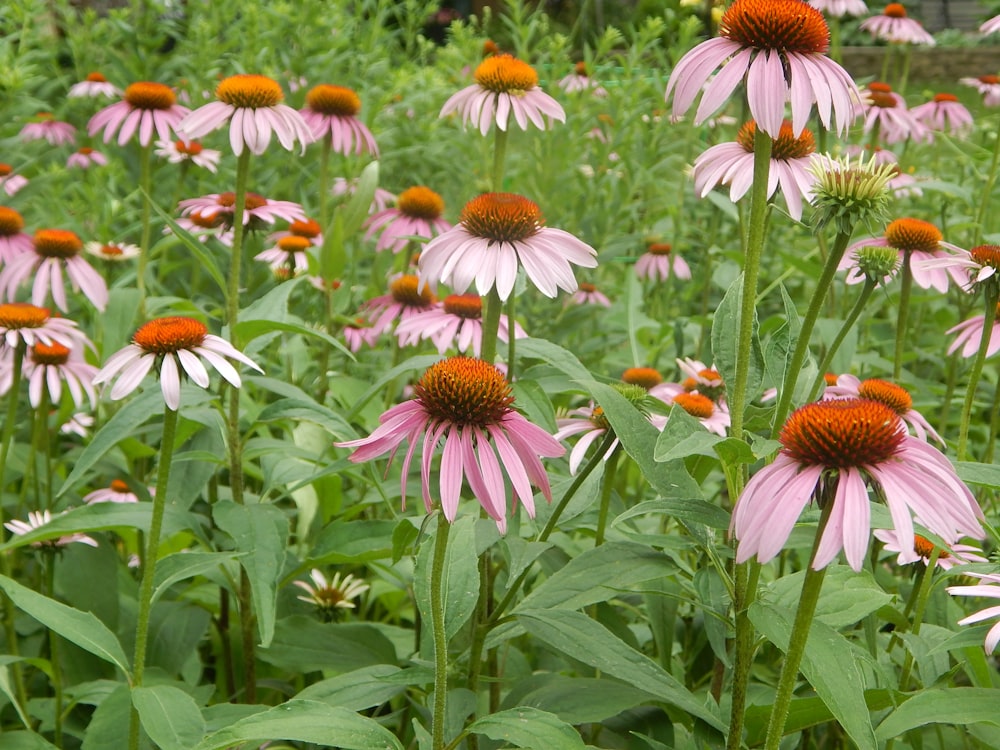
[[811, 586], [493, 307], [805, 332], [607, 487], [852, 318], [499, 157], [906, 287], [57, 684], [992, 292], [906, 70], [745, 591], [987, 192], [145, 183], [440, 636], [149, 564], [511, 346], [918, 616]]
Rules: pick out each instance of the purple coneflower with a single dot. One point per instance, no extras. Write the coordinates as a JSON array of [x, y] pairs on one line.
[[37, 520], [923, 548], [54, 251], [178, 152], [112, 252], [258, 211], [777, 48], [659, 261], [13, 241], [146, 106], [990, 588], [504, 86], [289, 253], [79, 424], [590, 423], [10, 182], [359, 333], [405, 299], [894, 26], [46, 128], [173, 344], [970, 334], [457, 322], [94, 85], [991, 26], [117, 492], [497, 233], [885, 110], [838, 8], [85, 158], [52, 365], [988, 86], [417, 214], [832, 451], [30, 324], [468, 403], [331, 112], [580, 80], [588, 294], [945, 114], [894, 396], [713, 416]]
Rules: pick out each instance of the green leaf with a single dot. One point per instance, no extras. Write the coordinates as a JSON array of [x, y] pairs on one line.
[[985, 475], [528, 727], [25, 741], [725, 340], [358, 541], [170, 716], [420, 362], [575, 700], [684, 436], [295, 409], [461, 572], [846, 598], [809, 712], [778, 351], [355, 211], [303, 644], [260, 531], [306, 721], [554, 355], [693, 511], [108, 727], [579, 637], [196, 247], [270, 313], [363, 688], [182, 565], [951, 705], [81, 628]]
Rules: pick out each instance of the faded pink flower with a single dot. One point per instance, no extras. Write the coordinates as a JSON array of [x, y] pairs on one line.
[[417, 214], [146, 107], [54, 252], [331, 113]]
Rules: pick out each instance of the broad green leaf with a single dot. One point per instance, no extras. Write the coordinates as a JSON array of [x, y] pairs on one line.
[[182, 565], [725, 340], [261, 532], [461, 572], [169, 716], [363, 688], [846, 598], [694, 511], [303, 644], [196, 247], [951, 705], [985, 475], [306, 721], [809, 712], [831, 664], [81, 628], [176, 629], [355, 211], [8, 690], [528, 727], [108, 727], [297, 410], [420, 362], [579, 637], [357, 541], [575, 700], [554, 355], [778, 351], [684, 436], [26, 741]]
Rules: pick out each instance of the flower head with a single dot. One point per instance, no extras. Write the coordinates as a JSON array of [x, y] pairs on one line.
[[13, 241], [831, 452], [498, 233], [94, 85], [456, 322], [417, 214], [847, 193], [112, 252], [252, 105], [46, 128], [405, 299], [777, 47], [945, 114], [180, 151], [289, 253], [588, 294], [713, 416], [173, 344], [468, 403], [54, 251], [218, 209], [885, 110], [923, 548], [333, 596], [38, 519], [10, 182], [147, 106], [50, 366], [504, 86], [331, 112], [580, 80], [894, 396], [970, 334], [85, 158], [359, 333], [659, 260], [988, 86], [116, 492], [29, 324], [893, 25]]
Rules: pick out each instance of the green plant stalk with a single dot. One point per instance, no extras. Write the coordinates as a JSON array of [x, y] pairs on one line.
[[511, 338], [987, 192], [906, 287], [491, 325], [801, 350], [145, 184], [923, 594], [149, 564], [751, 270], [607, 487], [57, 684], [324, 183], [905, 74], [852, 318], [992, 292], [440, 636], [745, 590], [499, 158], [797, 641]]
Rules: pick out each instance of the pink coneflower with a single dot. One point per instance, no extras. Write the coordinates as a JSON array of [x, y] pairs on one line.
[[468, 403], [990, 588], [218, 208], [10, 182], [117, 492], [381, 200], [588, 294], [659, 260], [894, 396], [580, 80], [54, 364], [85, 158], [894, 26], [113, 252], [457, 322], [732, 164], [919, 241], [289, 253], [359, 333], [79, 424], [839, 8], [333, 596], [147, 106], [331, 112], [13, 241], [777, 48], [945, 114], [504, 86], [980, 263], [252, 105], [991, 26], [178, 152], [496, 234], [29, 324], [171, 344], [713, 416], [46, 128], [54, 251], [590, 423], [417, 214], [94, 85], [885, 110], [405, 299], [923, 548], [988, 86], [970, 333], [699, 378], [831, 452], [39, 519], [307, 229]]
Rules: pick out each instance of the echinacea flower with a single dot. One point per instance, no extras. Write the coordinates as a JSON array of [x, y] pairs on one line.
[[172, 344], [405, 299], [498, 233], [832, 451], [591, 425], [732, 164], [588, 294], [54, 251], [417, 214], [251, 104], [330, 597], [10, 182], [359, 333], [331, 113], [39, 519], [850, 192], [112, 252], [468, 403], [180, 152], [46, 128], [777, 47], [970, 334], [945, 114], [580, 80], [838, 8], [894, 396], [52, 365], [289, 253], [699, 378], [988, 87], [923, 548], [893, 25], [218, 210], [990, 589], [885, 111], [116, 492], [30, 325], [146, 107], [659, 261], [504, 86], [94, 85], [713, 416], [79, 424], [85, 158], [13, 241], [457, 322]]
